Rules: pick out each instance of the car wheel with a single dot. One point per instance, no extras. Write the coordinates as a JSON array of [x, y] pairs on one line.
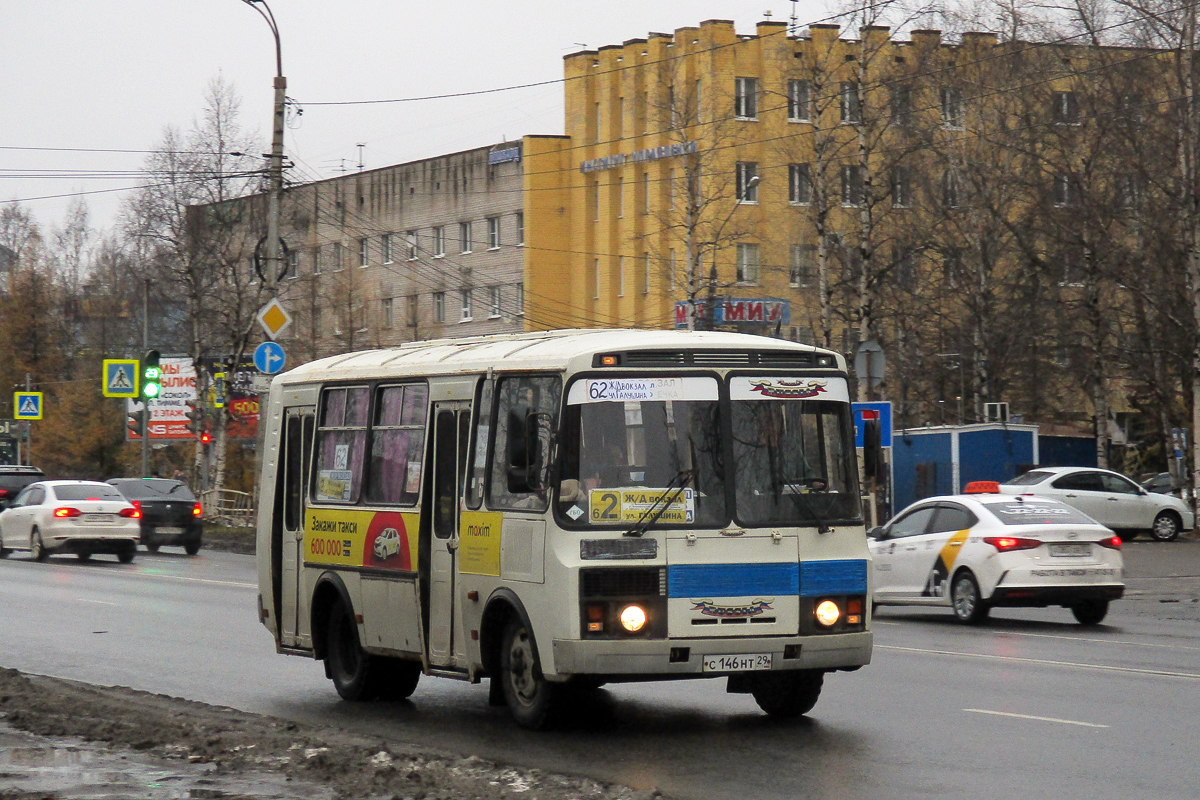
[[531, 698], [191, 547], [1090, 612], [788, 694], [37, 548], [969, 607], [151, 545], [126, 556], [394, 678], [349, 667], [1166, 527], [84, 556]]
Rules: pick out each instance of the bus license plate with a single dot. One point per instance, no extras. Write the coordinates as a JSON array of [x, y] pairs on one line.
[[1070, 550], [744, 663]]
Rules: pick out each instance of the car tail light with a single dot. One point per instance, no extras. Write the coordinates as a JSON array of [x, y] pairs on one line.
[[67, 511], [197, 510], [136, 503], [3, 492], [1113, 542], [1006, 543], [134, 513]]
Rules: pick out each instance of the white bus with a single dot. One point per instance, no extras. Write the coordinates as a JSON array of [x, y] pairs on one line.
[[558, 510]]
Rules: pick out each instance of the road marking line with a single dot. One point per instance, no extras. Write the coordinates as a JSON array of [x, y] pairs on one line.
[[100, 602], [195, 580], [1019, 660], [1102, 641], [881, 622], [1039, 719]]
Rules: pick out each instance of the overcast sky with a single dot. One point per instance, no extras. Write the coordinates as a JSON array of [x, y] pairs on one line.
[[112, 74]]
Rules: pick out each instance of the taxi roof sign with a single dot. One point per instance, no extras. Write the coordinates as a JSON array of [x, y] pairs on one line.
[[120, 377], [274, 318], [27, 405]]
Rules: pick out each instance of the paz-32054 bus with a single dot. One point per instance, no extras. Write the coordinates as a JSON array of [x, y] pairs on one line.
[[554, 511]]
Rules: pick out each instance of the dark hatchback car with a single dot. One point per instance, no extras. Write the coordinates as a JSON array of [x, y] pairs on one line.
[[13, 479], [170, 512]]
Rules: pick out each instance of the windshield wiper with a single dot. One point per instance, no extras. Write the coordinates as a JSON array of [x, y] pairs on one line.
[[652, 514], [821, 520]]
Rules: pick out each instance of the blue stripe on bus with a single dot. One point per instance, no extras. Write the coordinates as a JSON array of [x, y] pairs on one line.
[[732, 580], [843, 576]]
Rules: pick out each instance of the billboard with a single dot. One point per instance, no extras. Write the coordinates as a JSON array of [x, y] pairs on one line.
[[738, 311], [169, 412]]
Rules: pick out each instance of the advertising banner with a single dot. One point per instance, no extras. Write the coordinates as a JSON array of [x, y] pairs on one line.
[[738, 311], [169, 411]]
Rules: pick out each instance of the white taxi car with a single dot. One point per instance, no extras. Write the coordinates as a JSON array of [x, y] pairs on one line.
[[983, 549], [387, 544], [80, 517]]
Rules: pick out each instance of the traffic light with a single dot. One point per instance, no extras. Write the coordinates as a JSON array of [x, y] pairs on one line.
[[205, 438], [195, 415], [151, 375], [133, 422]]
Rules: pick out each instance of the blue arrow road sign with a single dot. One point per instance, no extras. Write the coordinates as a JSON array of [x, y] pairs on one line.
[[269, 358]]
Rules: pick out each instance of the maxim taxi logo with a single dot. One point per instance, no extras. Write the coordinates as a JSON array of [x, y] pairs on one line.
[[710, 609], [782, 388]]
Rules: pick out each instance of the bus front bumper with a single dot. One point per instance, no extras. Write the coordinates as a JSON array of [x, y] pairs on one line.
[[667, 657]]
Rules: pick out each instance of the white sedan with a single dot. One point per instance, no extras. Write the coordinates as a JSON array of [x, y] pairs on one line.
[[1109, 498], [973, 552], [81, 517]]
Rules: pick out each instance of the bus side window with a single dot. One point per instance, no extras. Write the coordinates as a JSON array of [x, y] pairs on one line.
[[520, 402], [482, 434], [341, 445]]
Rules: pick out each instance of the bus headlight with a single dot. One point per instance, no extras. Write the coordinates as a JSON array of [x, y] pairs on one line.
[[828, 613], [633, 618]]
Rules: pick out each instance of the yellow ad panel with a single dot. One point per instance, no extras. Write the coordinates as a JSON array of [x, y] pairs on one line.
[[479, 542], [951, 549], [632, 505], [355, 538]]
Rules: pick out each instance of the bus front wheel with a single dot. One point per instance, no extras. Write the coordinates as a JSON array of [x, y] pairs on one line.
[[788, 694], [530, 697]]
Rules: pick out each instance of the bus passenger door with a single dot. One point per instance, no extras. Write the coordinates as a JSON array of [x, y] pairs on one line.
[[452, 427], [296, 453]]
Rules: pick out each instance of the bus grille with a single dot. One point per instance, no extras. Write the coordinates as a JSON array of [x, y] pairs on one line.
[[622, 582]]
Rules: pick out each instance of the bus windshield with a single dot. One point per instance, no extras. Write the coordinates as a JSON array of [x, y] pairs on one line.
[[640, 448], [793, 456]]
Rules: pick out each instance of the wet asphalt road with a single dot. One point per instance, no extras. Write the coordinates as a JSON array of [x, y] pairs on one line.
[[1032, 705]]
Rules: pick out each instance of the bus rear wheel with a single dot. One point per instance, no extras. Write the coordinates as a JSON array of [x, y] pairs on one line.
[[530, 697], [788, 694], [349, 666]]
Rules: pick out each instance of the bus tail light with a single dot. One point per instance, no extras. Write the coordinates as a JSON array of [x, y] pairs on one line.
[[67, 512]]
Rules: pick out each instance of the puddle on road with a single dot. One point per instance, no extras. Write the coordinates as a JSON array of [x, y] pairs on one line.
[[74, 769]]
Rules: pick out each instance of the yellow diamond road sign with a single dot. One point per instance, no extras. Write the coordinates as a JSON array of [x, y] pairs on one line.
[[273, 318]]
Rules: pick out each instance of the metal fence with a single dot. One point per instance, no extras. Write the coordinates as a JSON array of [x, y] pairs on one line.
[[228, 507]]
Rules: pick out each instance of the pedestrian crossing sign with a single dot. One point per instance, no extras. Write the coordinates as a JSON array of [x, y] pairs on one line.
[[120, 377], [27, 405]]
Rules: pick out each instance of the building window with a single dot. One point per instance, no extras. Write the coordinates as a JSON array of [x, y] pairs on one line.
[[493, 233], [671, 262], [293, 270], [385, 247], [620, 276], [596, 279], [745, 100], [904, 258], [747, 263], [799, 185], [318, 258], [520, 227], [1064, 191], [338, 257], [950, 189], [852, 185], [520, 301], [1129, 190], [364, 259], [801, 268], [412, 311], [1066, 108], [851, 106], [410, 238], [951, 268], [439, 241], [620, 198], [902, 106], [596, 138], [747, 181], [464, 237], [799, 100], [646, 285], [952, 110], [494, 302], [596, 200], [386, 309], [901, 187], [645, 192], [439, 307], [465, 294]]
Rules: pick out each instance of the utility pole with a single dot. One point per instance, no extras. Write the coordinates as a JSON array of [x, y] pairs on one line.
[[145, 400]]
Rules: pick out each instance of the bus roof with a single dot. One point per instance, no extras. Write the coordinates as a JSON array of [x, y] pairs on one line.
[[553, 350]]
